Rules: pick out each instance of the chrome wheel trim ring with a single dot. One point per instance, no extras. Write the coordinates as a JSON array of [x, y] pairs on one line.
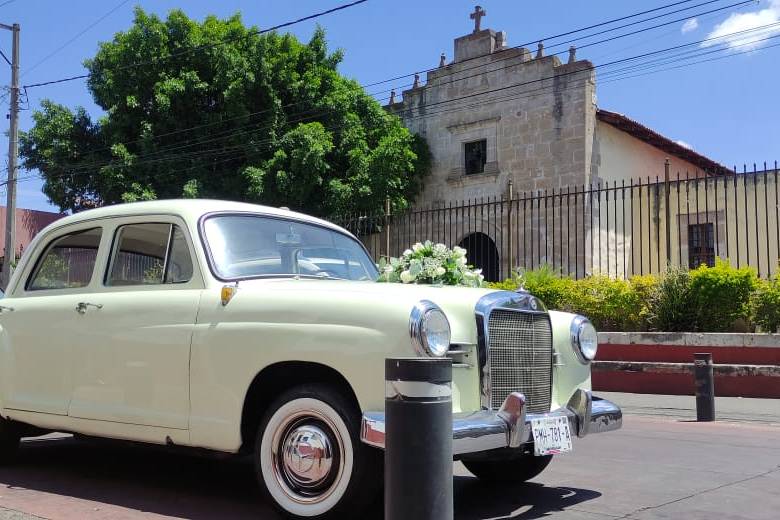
[[296, 471]]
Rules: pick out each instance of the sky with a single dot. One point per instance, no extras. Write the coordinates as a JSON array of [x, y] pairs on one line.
[[727, 109]]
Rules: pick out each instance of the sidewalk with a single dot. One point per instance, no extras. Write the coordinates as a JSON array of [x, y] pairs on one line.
[[735, 409]]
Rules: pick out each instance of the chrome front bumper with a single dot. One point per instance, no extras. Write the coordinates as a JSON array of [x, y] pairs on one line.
[[510, 427]]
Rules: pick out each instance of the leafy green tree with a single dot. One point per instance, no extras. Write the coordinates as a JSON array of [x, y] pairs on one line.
[[218, 110]]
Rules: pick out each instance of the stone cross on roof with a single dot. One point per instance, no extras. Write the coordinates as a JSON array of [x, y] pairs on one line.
[[477, 17]]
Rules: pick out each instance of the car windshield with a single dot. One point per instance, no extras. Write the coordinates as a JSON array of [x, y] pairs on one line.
[[254, 246]]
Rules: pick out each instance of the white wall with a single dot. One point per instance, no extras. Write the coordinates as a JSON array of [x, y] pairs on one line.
[[619, 156]]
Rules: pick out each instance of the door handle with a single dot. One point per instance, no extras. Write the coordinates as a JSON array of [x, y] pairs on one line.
[[4, 308], [81, 307]]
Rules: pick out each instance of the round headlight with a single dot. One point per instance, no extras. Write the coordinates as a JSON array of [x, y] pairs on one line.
[[429, 329], [584, 339]]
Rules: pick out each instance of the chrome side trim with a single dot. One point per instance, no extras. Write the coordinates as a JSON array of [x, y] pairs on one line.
[[510, 427]]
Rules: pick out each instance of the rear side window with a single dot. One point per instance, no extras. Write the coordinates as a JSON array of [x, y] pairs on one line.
[[68, 262], [149, 254]]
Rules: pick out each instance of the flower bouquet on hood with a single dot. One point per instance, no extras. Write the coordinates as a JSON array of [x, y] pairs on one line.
[[429, 263]]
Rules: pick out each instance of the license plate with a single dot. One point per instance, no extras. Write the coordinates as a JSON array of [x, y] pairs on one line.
[[552, 435]]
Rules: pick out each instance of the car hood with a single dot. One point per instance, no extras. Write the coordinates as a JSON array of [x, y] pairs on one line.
[[343, 301]]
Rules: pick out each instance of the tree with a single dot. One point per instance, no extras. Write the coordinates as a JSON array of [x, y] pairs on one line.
[[217, 110]]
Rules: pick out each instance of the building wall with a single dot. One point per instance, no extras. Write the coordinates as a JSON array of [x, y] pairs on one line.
[[619, 156], [28, 223], [537, 126]]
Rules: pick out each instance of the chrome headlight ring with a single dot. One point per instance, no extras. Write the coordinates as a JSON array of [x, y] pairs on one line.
[[429, 329], [584, 339]]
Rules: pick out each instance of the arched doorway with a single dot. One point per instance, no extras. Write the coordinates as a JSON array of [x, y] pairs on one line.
[[482, 253]]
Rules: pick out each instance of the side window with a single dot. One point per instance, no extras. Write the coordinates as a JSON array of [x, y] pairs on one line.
[[68, 262], [179, 268], [149, 254]]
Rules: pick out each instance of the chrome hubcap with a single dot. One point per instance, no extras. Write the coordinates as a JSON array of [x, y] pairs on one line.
[[307, 457], [307, 452]]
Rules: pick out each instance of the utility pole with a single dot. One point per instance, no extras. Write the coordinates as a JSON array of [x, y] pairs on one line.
[[13, 152]]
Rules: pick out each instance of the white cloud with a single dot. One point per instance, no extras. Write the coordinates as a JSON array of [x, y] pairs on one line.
[[684, 144], [738, 22], [691, 24]]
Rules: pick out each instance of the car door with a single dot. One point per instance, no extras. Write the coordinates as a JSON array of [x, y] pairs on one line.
[[134, 368], [40, 330]]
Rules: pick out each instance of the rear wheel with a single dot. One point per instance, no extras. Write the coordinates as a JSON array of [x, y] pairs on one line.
[[309, 458], [511, 471], [9, 441]]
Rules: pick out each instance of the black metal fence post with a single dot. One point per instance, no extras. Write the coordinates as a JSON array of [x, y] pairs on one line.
[[705, 386], [418, 439]]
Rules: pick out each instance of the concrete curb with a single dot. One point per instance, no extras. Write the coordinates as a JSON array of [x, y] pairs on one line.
[[733, 380], [691, 339], [686, 368]]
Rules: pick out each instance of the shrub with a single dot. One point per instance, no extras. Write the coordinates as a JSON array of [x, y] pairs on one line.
[[707, 299], [643, 286], [720, 295], [548, 285], [609, 304], [669, 305], [766, 304]]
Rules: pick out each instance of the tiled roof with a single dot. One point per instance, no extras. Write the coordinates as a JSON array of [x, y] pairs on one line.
[[657, 140]]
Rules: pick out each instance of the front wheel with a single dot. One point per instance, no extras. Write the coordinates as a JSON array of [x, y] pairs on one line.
[[309, 458], [509, 471]]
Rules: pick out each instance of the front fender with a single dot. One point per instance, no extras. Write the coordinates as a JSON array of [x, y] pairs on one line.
[[569, 373]]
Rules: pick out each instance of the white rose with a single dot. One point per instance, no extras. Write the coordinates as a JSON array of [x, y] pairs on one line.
[[459, 251], [460, 261], [417, 247], [408, 252], [406, 277], [440, 271]]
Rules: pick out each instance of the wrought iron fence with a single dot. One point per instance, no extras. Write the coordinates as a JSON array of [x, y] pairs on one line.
[[615, 228]]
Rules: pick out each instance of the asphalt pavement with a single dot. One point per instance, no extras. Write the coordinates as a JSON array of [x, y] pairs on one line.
[[661, 465]]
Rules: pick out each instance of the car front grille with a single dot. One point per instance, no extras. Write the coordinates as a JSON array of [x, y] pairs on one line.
[[520, 358]]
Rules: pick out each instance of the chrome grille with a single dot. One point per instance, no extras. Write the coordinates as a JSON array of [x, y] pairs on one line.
[[520, 357]]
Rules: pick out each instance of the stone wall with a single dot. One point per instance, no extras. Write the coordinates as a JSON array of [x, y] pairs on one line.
[[536, 114]]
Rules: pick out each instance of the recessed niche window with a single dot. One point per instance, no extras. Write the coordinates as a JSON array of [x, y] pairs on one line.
[[701, 245], [475, 154]]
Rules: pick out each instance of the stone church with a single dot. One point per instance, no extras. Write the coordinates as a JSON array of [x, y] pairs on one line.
[[496, 114], [500, 119]]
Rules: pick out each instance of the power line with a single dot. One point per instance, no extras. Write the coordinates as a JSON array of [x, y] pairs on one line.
[[606, 40], [159, 155], [6, 3], [345, 6], [246, 147], [5, 57], [553, 37], [206, 125], [208, 46], [76, 37]]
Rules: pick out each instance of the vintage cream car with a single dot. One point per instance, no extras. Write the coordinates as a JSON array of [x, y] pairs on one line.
[[246, 329]]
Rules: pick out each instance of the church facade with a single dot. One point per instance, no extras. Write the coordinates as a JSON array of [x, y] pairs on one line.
[[527, 170], [497, 114]]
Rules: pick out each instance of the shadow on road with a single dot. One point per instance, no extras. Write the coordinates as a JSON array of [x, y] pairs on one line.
[[475, 500], [151, 480]]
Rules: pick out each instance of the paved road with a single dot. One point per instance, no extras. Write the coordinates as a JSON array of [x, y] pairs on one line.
[[656, 467]]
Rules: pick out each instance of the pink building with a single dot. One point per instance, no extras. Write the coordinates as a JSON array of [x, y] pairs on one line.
[[28, 223]]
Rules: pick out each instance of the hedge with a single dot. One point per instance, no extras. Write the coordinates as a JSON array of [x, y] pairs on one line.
[[707, 299]]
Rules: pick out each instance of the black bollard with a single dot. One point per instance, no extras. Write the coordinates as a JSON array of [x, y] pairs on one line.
[[418, 439], [705, 386]]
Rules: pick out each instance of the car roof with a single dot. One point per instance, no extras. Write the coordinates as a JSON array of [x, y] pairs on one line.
[[189, 209]]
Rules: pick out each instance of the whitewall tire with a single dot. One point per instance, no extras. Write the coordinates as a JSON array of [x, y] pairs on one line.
[[309, 457]]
